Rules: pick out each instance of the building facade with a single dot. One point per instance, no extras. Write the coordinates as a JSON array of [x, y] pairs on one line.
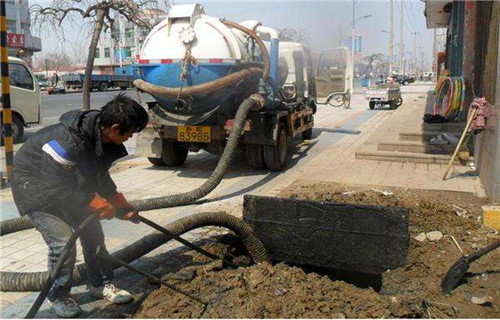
[[20, 42], [472, 46], [123, 48]]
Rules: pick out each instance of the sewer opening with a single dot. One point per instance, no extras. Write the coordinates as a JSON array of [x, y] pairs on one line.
[[359, 279]]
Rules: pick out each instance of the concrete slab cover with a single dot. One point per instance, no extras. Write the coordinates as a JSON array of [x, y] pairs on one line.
[[362, 238]]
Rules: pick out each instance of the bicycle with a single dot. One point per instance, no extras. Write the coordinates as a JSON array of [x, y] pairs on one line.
[[339, 99]]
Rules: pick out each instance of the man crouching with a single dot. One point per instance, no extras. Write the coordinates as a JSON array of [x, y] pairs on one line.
[[61, 175]]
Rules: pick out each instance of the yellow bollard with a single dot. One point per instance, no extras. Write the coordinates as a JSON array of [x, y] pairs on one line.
[[6, 111]]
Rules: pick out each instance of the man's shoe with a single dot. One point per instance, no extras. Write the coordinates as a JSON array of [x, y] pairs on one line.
[[111, 293], [66, 307]]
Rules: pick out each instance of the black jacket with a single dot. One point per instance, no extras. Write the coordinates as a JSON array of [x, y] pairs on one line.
[[64, 165]]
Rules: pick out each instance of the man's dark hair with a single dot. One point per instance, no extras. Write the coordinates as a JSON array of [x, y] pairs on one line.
[[125, 112]]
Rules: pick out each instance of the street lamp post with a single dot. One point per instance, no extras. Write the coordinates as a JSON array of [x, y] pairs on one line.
[[353, 22]]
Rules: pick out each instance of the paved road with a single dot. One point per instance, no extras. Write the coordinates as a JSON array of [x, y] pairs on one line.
[[55, 105]]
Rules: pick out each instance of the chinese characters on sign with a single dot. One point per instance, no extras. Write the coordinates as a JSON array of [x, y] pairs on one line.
[[15, 40]]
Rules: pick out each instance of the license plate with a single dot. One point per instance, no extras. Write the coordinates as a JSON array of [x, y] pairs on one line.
[[193, 134]]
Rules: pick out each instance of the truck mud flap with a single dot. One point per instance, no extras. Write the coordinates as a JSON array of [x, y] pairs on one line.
[[362, 238]]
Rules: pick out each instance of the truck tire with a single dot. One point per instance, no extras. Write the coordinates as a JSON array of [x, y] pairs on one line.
[[123, 88], [276, 156], [372, 105], [17, 130], [174, 153], [399, 102], [406, 83], [255, 156], [103, 86], [156, 161]]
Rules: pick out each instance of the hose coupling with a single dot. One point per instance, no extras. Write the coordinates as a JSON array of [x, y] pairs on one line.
[[259, 101]]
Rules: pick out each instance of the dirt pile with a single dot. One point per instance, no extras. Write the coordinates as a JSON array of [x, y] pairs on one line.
[[282, 291]]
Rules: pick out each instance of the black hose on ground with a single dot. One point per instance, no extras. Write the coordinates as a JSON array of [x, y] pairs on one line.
[[255, 101], [15, 225], [34, 281]]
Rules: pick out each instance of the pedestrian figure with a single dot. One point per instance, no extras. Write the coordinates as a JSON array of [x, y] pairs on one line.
[[61, 176]]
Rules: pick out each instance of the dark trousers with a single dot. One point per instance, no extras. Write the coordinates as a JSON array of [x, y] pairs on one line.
[[56, 229]]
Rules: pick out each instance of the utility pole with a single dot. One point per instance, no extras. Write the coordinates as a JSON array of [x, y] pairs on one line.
[[414, 51], [401, 45], [434, 54], [352, 43], [391, 39], [423, 60]]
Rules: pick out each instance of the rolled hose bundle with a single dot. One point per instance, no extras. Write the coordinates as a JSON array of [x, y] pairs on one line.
[[34, 281], [450, 98]]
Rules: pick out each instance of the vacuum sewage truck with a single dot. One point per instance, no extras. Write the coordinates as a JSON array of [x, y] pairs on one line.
[[200, 69]]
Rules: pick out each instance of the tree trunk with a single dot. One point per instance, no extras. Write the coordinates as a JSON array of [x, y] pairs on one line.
[[101, 13]]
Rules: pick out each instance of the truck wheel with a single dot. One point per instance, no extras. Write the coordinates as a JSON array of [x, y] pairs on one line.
[[174, 153], [255, 156], [307, 134], [399, 102], [406, 83], [276, 156], [123, 88], [102, 86], [156, 161], [17, 130], [372, 105]]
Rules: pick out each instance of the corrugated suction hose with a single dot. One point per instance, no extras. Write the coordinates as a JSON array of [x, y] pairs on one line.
[[34, 281], [14, 281], [176, 93]]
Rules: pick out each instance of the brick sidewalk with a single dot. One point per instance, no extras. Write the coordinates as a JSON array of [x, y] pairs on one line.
[[329, 156]]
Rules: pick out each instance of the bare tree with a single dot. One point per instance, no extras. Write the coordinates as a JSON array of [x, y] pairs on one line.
[[100, 13], [370, 59], [78, 50], [54, 60]]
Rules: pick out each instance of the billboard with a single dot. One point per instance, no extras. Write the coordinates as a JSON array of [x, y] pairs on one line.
[[15, 40]]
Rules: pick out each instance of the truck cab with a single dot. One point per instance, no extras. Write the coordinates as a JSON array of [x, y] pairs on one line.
[[24, 97]]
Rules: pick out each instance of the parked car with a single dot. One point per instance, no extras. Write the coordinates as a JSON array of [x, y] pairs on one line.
[[59, 88], [428, 76], [44, 84], [404, 80], [24, 98]]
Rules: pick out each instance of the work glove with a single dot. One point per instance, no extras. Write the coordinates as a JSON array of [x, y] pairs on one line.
[[122, 205], [103, 207]]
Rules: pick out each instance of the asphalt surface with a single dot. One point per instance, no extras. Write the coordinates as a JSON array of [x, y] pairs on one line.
[[53, 106]]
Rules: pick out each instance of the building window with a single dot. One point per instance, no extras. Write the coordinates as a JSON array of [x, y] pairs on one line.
[[97, 53], [107, 53], [129, 33], [128, 52], [11, 26]]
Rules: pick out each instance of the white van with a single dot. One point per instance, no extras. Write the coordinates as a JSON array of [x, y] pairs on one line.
[[24, 97]]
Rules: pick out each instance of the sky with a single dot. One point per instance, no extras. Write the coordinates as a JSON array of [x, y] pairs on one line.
[[321, 21]]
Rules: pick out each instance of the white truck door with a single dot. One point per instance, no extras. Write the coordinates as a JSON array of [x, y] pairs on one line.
[[25, 93]]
